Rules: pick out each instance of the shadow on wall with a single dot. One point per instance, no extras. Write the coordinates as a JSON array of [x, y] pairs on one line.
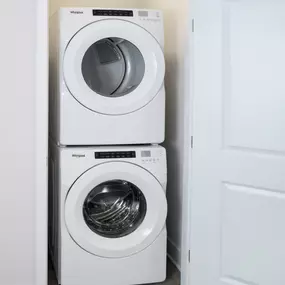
[[175, 45]]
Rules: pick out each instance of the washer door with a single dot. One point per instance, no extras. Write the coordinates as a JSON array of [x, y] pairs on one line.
[[113, 67], [115, 209]]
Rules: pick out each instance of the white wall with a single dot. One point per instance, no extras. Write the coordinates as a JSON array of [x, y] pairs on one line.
[[20, 238], [176, 37]]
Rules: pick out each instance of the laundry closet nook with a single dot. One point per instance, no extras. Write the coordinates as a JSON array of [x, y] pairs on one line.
[[175, 42], [224, 137]]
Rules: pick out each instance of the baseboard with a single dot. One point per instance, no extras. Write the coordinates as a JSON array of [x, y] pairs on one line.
[[173, 253]]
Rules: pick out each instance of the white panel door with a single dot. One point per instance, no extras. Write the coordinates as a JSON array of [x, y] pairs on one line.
[[238, 185]]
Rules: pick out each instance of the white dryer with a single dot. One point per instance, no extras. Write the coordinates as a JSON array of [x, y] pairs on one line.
[[107, 77], [108, 214]]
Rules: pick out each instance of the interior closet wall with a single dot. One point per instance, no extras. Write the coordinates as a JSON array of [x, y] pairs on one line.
[[23, 145], [17, 205], [175, 20]]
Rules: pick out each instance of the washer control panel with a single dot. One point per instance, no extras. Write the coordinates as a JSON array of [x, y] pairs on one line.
[[146, 156], [114, 154], [151, 156]]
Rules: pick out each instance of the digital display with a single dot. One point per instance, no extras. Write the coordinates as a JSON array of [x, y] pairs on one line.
[[143, 13], [146, 153], [115, 13], [115, 154]]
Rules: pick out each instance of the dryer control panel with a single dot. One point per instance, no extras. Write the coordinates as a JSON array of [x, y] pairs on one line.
[[115, 13]]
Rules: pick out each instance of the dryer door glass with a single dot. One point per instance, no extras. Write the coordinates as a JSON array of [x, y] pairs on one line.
[[113, 67], [114, 209]]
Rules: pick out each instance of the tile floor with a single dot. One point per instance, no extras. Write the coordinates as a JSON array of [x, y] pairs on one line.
[[173, 276]]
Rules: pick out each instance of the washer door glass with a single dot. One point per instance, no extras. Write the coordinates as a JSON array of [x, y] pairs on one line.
[[113, 67], [114, 209]]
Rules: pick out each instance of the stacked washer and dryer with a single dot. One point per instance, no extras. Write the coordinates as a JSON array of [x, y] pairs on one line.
[[108, 173]]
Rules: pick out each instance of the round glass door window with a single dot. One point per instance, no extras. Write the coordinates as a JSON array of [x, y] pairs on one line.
[[113, 67], [114, 209]]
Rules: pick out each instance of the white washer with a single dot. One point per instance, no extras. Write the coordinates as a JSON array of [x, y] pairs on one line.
[[107, 223], [107, 77]]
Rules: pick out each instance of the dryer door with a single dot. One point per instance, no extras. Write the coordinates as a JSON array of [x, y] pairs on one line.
[[115, 209], [113, 67]]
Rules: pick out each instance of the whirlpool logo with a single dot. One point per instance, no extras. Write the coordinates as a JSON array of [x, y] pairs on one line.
[[76, 12], [76, 155]]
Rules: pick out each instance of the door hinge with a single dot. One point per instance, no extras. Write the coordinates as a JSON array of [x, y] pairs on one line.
[[193, 25], [192, 141], [189, 256]]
